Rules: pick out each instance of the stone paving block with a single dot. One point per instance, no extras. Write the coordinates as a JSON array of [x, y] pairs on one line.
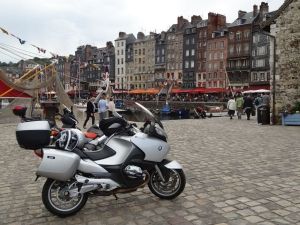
[[250, 180]]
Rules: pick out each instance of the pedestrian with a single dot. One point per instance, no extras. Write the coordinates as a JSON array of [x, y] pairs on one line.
[[231, 106], [248, 106], [90, 110], [102, 107], [239, 105], [111, 107]]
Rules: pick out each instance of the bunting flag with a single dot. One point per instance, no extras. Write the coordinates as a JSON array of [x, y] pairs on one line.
[[4, 31], [39, 49], [22, 42], [54, 55]]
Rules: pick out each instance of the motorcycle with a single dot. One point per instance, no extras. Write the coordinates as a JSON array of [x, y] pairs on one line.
[[130, 158]]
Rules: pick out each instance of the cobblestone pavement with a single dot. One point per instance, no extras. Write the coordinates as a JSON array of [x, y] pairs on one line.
[[237, 173]]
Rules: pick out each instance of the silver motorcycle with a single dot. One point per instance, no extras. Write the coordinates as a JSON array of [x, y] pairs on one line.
[[130, 158]]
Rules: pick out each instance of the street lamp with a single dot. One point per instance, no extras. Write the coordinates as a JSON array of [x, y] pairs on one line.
[[273, 76]]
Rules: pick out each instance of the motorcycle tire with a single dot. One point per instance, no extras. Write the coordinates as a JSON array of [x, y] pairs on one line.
[[160, 188], [50, 205]]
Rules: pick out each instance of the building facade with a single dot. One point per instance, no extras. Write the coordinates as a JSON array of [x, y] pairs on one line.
[[239, 45], [160, 59], [216, 59], [122, 43]]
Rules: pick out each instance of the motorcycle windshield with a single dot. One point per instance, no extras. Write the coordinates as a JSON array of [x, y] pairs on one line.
[[139, 113]]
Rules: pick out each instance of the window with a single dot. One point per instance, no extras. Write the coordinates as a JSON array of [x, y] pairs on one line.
[[246, 34], [255, 38], [238, 35], [215, 75], [262, 76], [231, 35], [122, 62], [118, 52], [193, 40], [254, 76], [122, 70], [122, 51], [216, 55], [231, 49], [221, 65], [187, 41], [186, 64], [260, 62], [157, 59], [238, 49], [246, 48], [192, 64], [122, 43], [222, 44], [221, 55], [118, 62], [163, 51], [261, 50], [192, 52], [187, 53]]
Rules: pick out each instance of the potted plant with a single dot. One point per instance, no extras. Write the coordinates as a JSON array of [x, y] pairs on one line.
[[291, 114]]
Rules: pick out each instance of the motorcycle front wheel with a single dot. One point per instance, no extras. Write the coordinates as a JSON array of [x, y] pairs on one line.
[[170, 188], [56, 198]]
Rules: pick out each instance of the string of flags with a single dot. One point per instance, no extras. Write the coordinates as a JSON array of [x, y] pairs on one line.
[[22, 42]]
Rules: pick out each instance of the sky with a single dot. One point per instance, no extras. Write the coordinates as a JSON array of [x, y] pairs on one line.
[[60, 26]]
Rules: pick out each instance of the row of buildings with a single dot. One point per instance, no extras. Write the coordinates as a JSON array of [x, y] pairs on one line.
[[208, 53]]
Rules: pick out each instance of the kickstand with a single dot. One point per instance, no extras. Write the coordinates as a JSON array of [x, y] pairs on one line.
[[114, 194]]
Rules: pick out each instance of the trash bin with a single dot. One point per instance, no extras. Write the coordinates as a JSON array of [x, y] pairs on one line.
[[259, 115], [263, 115]]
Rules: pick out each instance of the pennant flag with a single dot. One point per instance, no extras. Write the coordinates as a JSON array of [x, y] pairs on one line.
[[54, 55], [4, 31], [22, 42]]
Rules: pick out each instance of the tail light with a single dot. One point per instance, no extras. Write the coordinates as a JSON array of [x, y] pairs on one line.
[[54, 133], [39, 153]]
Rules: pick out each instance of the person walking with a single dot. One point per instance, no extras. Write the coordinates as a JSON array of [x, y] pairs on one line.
[[111, 107], [248, 106], [102, 107], [231, 106], [90, 110], [239, 105]]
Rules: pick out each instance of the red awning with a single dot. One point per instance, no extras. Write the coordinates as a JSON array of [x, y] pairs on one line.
[[214, 90], [9, 92]]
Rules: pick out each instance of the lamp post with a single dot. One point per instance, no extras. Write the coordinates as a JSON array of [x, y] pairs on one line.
[[273, 76]]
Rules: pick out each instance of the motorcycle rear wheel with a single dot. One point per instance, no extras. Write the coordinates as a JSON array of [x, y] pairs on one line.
[[56, 198], [169, 189]]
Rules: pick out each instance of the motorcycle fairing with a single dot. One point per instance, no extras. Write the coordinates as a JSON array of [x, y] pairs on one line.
[[155, 149]]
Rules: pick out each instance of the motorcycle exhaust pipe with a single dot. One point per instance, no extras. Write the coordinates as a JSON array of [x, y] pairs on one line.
[[105, 183]]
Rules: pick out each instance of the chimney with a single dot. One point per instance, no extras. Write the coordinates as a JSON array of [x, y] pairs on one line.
[[264, 8], [122, 34], [140, 35], [241, 14], [195, 19], [254, 10]]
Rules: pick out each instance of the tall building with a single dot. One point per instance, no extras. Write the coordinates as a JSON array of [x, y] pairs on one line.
[[174, 51], [144, 57], [122, 44], [260, 47], [216, 59], [239, 41], [189, 53], [160, 59], [205, 29]]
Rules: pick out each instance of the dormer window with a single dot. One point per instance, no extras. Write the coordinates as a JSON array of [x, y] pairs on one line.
[[239, 22]]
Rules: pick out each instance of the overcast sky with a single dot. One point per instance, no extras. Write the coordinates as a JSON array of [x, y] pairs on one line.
[[60, 26]]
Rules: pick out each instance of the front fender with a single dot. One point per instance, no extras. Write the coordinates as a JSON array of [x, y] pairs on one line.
[[173, 165]]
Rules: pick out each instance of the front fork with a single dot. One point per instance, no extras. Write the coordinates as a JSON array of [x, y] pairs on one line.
[[163, 169]]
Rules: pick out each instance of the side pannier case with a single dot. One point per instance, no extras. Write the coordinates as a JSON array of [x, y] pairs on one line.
[[33, 135]]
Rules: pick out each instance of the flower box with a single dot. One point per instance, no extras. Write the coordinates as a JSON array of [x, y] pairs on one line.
[[291, 119]]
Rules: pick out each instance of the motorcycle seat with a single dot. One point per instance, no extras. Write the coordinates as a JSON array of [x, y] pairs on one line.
[[102, 154]]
